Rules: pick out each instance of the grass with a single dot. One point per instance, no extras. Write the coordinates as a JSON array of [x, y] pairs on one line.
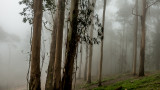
[[86, 85], [144, 83]]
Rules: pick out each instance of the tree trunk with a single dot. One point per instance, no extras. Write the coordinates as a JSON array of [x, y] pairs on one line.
[[135, 39], [142, 51], [72, 44], [35, 73], [101, 59], [86, 63], [49, 79], [59, 39], [92, 2], [80, 63]]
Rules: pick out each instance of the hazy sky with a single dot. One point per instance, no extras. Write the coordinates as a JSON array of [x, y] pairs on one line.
[[10, 19], [13, 33]]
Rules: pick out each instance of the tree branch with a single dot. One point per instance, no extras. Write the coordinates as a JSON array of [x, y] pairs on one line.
[[152, 4], [46, 27]]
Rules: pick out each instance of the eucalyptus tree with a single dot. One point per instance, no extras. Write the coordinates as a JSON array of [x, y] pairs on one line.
[[72, 41], [92, 4], [27, 13], [135, 39], [86, 63], [35, 74], [80, 20], [101, 57], [59, 38]]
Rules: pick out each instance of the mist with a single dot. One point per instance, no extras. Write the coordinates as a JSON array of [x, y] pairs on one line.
[[15, 45]]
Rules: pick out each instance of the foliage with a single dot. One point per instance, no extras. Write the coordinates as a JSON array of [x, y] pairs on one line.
[[85, 19], [27, 13]]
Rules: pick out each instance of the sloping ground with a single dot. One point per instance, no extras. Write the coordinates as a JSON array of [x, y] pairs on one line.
[[106, 81], [149, 82]]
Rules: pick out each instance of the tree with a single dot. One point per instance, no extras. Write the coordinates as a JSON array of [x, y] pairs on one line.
[[92, 2], [86, 63], [49, 79], [101, 58], [35, 74], [135, 39], [142, 51], [80, 64], [72, 43], [59, 38]]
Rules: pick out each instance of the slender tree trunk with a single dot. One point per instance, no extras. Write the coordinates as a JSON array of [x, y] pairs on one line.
[[59, 39], [101, 59], [135, 39], [80, 63], [92, 2], [86, 63], [71, 47], [49, 79], [35, 83], [142, 51]]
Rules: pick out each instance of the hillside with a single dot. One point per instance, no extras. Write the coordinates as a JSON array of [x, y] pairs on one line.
[[151, 81]]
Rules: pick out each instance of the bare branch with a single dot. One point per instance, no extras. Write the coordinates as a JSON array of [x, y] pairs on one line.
[[46, 27], [152, 4]]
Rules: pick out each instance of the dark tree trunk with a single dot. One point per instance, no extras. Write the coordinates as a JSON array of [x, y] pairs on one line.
[[71, 48]]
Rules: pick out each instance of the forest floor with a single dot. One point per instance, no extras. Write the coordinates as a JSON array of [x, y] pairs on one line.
[[151, 81]]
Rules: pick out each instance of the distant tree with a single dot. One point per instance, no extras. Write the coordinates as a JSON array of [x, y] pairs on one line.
[[135, 39], [35, 73], [92, 4], [101, 57], [142, 51], [86, 63], [80, 64]]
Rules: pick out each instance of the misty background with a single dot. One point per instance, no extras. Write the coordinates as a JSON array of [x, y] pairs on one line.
[[119, 31]]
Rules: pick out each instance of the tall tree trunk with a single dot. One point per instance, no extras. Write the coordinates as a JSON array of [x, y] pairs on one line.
[[142, 51], [92, 2], [80, 64], [135, 39], [59, 39], [86, 63], [72, 44], [49, 79], [101, 59], [35, 74]]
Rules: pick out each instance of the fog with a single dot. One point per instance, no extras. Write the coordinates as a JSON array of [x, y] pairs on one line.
[[118, 39]]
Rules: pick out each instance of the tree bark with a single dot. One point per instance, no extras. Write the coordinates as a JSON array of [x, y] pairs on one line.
[[35, 83], [135, 40], [142, 51], [101, 59], [71, 47], [59, 39], [49, 79]]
